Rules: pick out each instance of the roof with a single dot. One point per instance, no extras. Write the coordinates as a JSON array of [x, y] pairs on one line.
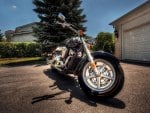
[[19, 31], [30, 24], [142, 5], [23, 32]]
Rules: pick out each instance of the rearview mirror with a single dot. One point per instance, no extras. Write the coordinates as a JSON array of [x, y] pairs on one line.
[[61, 16]]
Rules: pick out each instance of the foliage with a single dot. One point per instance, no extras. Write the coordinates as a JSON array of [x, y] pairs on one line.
[[7, 61], [10, 50], [1, 36], [48, 11], [105, 42]]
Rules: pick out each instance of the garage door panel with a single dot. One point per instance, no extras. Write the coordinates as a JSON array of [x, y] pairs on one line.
[[136, 43]]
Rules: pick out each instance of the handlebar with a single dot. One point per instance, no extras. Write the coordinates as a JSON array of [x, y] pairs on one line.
[[65, 24]]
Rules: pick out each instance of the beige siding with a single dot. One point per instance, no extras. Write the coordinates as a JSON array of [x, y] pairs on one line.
[[134, 15], [24, 38], [136, 38], [24, 33], [134, 35], [118, 44], [141, 20]]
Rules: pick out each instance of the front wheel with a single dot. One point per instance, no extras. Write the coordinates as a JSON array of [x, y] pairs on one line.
[[107, 85]]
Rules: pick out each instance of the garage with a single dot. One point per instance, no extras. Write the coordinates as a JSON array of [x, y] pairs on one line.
[[136, 43], [132, 32]]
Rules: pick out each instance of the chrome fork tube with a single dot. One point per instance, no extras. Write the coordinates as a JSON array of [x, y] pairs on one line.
[[90, 58]]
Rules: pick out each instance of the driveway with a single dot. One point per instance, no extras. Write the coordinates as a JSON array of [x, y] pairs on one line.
[[34, 88]]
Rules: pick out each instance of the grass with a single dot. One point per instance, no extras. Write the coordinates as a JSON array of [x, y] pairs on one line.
[[6, 61]]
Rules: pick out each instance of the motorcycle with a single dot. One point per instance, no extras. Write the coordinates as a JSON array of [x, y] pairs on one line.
[[99, 73]]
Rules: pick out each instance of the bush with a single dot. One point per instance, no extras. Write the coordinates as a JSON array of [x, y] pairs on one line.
[[13, 49], [105, 42]]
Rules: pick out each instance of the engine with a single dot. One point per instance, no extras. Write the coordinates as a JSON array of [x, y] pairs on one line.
[[74, 44]]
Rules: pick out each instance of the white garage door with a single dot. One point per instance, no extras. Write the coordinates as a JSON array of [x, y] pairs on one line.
[[136, 43]]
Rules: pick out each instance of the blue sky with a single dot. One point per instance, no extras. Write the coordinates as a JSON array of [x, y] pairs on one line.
[[99, 13]]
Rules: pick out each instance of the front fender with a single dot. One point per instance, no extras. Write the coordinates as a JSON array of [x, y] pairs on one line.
[[96, 55]]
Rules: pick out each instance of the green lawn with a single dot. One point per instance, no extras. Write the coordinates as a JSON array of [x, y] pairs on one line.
[[5, 61]]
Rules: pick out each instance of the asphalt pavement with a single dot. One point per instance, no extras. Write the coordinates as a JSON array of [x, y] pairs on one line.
[[34, 88]]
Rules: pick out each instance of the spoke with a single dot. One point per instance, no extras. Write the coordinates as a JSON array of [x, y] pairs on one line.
[[89, 77], [102, 68], [98, 82], [108, 77]]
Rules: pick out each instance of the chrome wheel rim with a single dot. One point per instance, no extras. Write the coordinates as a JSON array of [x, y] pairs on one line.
[[106, 78]]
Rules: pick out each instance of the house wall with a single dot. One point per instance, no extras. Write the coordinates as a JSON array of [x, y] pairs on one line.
[[24, 33], [24, 38], [118, 43], [138, 18]]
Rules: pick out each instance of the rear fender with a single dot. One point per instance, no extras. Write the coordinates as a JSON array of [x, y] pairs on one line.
[[97, 54]]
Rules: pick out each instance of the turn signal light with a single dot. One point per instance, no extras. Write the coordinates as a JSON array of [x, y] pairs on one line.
[[93, 65], [81, 32]]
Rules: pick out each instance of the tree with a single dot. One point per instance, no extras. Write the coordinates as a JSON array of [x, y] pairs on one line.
[[48, 11], [105, 42], [1, 36]]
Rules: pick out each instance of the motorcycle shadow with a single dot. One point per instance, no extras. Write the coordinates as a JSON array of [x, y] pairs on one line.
[[66, 84]]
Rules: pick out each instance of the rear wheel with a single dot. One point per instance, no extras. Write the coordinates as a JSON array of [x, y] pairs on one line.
[[108, 84]]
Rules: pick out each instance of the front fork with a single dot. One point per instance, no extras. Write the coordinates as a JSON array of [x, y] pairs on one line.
[[90, 58]]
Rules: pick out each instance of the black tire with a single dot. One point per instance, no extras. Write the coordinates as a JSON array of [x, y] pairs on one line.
[[108, 93]]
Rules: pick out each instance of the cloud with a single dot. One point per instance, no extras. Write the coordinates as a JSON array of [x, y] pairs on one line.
[[14, 6]]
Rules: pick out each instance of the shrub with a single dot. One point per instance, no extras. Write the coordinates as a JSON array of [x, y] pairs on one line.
[[105, 42], [16, 49]]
